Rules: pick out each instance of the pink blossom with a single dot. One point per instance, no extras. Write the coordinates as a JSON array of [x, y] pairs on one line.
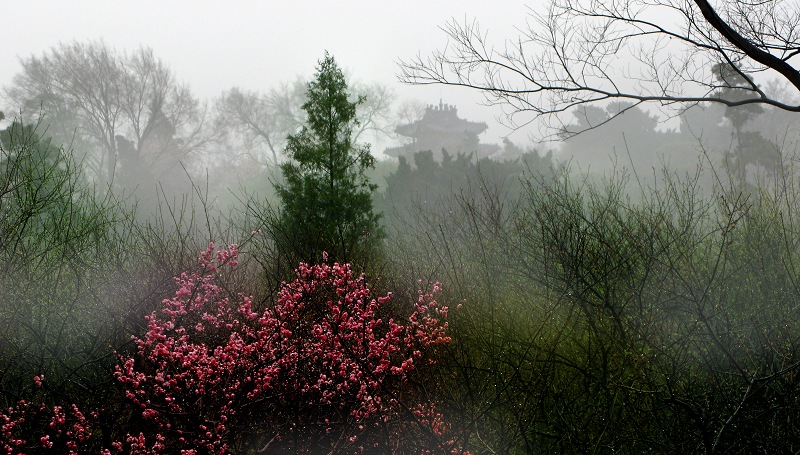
[[320, 350]]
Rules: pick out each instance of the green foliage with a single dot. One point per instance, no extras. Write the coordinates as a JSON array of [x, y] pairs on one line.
[[46, 207], [595, 324], [326, 199], [426, 183], [57, 241]]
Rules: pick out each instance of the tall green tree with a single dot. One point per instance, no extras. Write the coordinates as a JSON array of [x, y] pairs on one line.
[[326, 198]]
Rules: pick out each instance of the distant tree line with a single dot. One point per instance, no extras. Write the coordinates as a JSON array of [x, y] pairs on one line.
[[427, 184]]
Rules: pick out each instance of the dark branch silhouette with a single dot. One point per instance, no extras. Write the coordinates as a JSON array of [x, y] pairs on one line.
[[590, 51]]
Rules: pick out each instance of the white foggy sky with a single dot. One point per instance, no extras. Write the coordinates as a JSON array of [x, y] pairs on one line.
[[257, 45]]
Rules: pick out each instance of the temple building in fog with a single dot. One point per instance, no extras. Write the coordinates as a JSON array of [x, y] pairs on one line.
[[441, 128]]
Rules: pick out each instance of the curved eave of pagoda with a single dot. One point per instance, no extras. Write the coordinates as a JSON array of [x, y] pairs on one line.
[[396, 151], [414, 129], [408, 130]]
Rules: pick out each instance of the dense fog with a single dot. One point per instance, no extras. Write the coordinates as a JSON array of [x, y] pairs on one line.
[[560, 227]]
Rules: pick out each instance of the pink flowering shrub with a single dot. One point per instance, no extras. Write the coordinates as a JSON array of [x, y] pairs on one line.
[[30, 427], [320, 368]]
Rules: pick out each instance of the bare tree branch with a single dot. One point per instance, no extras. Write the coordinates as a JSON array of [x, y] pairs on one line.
[[590, 51], [267, 119], [104, 98]]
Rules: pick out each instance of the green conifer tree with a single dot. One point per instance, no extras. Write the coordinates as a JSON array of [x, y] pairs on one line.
[[326, 199]]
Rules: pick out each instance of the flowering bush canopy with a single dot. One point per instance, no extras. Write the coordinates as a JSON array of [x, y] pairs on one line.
[[318, 368], [322, 367], [28, 427]]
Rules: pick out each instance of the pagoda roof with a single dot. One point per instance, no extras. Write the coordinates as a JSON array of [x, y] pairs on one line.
[[441, 119]]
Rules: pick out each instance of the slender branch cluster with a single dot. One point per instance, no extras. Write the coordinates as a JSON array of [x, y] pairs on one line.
[[580, 52]]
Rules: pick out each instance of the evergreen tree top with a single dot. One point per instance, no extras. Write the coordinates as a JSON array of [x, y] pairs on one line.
[[328, 97], [327, 198]]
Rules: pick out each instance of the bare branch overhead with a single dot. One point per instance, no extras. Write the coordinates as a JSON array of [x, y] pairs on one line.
[[580, 52]]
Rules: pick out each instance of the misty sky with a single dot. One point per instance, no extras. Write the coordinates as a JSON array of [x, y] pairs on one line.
[[256, 45]]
